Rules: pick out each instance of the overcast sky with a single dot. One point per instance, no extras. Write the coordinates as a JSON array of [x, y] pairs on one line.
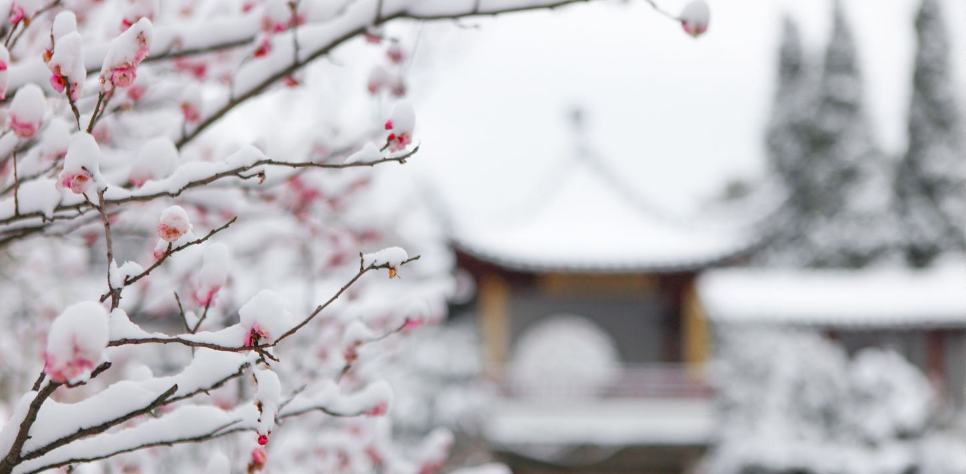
[[675, 115]]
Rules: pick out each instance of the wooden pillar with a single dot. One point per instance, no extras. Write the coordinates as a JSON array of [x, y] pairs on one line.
[[493, 321], [697, 333]]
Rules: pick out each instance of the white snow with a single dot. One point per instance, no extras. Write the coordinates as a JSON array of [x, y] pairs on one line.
[[268, 395], [218, 464], [267, 315], [68, 61], [215, 266], [126, 52], [245, 157], [876, 297], [81, 165], [584, 222], [369, 153], [156, 160], [55, 139], [392, 256], [27, 111], [403, 117], [39, 195], [65, 22], [490, 468], [119, 274], [695, 17], [76, 342], [9, 432]]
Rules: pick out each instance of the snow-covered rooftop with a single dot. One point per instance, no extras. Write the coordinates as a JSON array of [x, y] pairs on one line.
[[893, 297], [588, 220]]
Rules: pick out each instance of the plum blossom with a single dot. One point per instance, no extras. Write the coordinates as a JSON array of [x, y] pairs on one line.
[[378, 78], [395, 53], [80, 164], [27, 111], [258, 458], [215, 266], [695, 17], [67, 65], [191, 104], [174, 224], [125, 54], [400, 125], [4, 64], [268, 396], [276, 16], [137, 9], [265, 318], [76, 342]]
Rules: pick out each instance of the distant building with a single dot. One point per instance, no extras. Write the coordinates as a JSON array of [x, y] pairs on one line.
[[919, 313], [591, 248]]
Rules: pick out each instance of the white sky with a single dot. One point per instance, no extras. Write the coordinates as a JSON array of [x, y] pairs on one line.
[[675, 115]]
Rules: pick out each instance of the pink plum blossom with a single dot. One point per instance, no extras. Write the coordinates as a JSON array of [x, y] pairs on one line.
[[174, 224]]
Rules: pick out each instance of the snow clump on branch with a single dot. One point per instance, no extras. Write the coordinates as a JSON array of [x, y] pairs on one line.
[[27, 111], [76, 343], [695, 17], [265, 318]]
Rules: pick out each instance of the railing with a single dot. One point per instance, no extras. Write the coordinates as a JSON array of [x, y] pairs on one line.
[[630, 381]]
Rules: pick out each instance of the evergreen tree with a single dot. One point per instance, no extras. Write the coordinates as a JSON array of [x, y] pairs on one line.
[[785, 147], [930, 182], [839, 183]]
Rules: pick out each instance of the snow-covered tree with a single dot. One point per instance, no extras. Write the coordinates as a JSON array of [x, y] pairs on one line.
[[838, 183], [188, 264], [792, 401], [931, 181]]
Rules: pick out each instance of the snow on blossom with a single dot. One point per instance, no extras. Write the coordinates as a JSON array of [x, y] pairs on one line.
[[276, 16], [160, 249], [125, 54], [400, 125], [39, 195], [4, 65], [215, 266], [434, 450], [26, 113], [67, 65], [268, 396], [65, 22], [76, 342], [80, 164], [218, 464], [191, 103], [391, 257], [369, 153], [55, 139], [395, 53], [695, 17], [118, 275], [259, 457], [174, 224], [378, 78], [137, 9], [156, 159], [265, 318], [23, 9]]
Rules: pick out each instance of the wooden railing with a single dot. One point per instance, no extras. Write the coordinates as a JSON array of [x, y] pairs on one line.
[[631, 381]]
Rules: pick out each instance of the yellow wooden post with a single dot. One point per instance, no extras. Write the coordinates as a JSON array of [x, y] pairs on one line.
[[697, 335], [494, 321]]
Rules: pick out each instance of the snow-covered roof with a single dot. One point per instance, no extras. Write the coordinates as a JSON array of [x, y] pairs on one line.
[[586, 221], [886, 298]]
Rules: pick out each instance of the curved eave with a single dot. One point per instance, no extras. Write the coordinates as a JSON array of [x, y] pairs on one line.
[[627, 266]]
